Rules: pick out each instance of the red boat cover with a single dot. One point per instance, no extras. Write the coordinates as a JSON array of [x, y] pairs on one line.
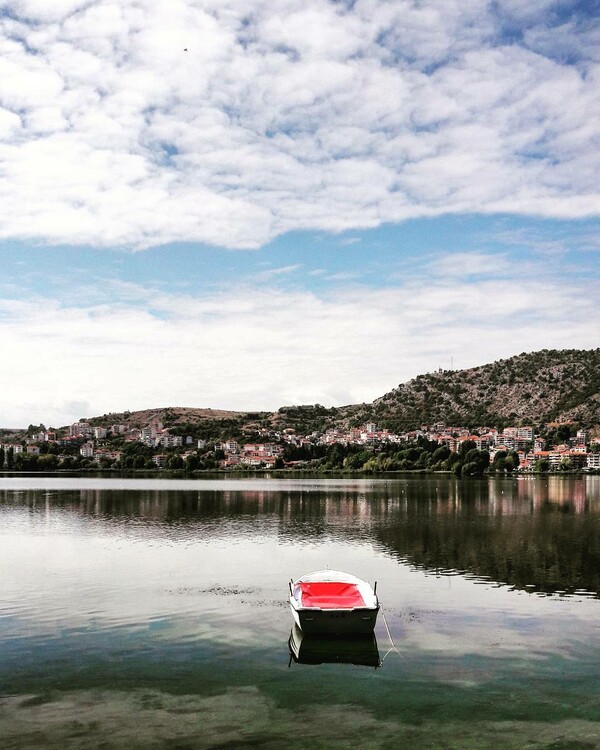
[[331, 595]]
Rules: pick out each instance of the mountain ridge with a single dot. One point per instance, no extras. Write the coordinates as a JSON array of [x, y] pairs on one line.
[[549, 385]]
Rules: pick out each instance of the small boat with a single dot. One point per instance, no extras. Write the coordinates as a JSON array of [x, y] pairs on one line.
[[333, 602], [359, 650]]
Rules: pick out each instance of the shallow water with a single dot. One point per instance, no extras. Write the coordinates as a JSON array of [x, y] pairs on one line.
[[152, 613]]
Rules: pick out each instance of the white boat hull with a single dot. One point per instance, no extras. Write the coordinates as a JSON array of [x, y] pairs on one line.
[[336, 621], [350, 608]]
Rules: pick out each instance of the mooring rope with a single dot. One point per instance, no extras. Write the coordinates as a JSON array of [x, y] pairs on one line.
[[393, 645], [388, 630]]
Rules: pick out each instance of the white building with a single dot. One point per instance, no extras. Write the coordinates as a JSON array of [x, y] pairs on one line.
[[593, 460], [525, 433], [170, 441], [80, 429], [87, 450], [16, 448], [148, 435]]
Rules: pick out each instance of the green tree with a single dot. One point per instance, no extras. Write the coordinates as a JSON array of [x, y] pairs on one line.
[[33, 428], [70, 462], [565, 464], [423, 461], [451, 460], [499, 462], [26, 462], [192, 462], [138, 462], [174, 462], [47, 462], [353, 462], [465, 447], [441, 453], [470, 469], [512, 462]]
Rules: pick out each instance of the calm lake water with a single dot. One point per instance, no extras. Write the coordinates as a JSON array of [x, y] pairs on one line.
[[153, 613]]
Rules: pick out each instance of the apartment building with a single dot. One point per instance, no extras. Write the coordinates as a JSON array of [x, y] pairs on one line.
[[593, 460]]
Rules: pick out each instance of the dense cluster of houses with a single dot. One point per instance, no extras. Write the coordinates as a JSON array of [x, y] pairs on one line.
[[251, 454], [521, 440], [529, 447]]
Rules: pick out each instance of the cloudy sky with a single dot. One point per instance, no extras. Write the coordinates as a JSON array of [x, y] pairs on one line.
[[249, 203]]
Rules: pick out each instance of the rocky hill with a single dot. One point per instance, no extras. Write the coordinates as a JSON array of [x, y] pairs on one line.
[[169, 416], [534, 388], [184, 420]]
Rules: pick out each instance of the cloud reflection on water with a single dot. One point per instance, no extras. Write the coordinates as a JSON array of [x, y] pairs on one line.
[[184, 591]]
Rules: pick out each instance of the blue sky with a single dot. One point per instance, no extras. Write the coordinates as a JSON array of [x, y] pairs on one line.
[[282, 216]]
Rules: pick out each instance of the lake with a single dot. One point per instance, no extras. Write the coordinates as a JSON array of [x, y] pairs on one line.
[[153, 613]]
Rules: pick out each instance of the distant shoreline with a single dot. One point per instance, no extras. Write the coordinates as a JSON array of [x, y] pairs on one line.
[[277, 473]]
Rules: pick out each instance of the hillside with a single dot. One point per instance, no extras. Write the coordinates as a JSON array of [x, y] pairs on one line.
[[169, 416], [534, 388], [200, 422]]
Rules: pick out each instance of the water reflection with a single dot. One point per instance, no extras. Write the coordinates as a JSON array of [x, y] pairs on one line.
[[535, 534], [306, 649], [542, 537], [155, 614]]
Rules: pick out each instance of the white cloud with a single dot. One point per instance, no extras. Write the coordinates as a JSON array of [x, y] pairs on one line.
[[260, 347], [465, 264], [271, 273], [282, 117]]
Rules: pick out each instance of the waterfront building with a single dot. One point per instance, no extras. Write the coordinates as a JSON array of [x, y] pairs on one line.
[[87, 450], [80, 429]]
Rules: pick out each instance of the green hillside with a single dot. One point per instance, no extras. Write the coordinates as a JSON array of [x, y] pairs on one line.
[[539, 387], [534, 388]]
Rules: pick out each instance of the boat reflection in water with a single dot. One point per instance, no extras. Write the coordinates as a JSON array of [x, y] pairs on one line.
[[317, 649]]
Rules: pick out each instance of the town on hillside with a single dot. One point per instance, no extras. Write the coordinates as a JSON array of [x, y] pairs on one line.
[[438, 447]]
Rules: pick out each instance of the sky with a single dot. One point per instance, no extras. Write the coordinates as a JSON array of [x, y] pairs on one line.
[[250, 204]]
